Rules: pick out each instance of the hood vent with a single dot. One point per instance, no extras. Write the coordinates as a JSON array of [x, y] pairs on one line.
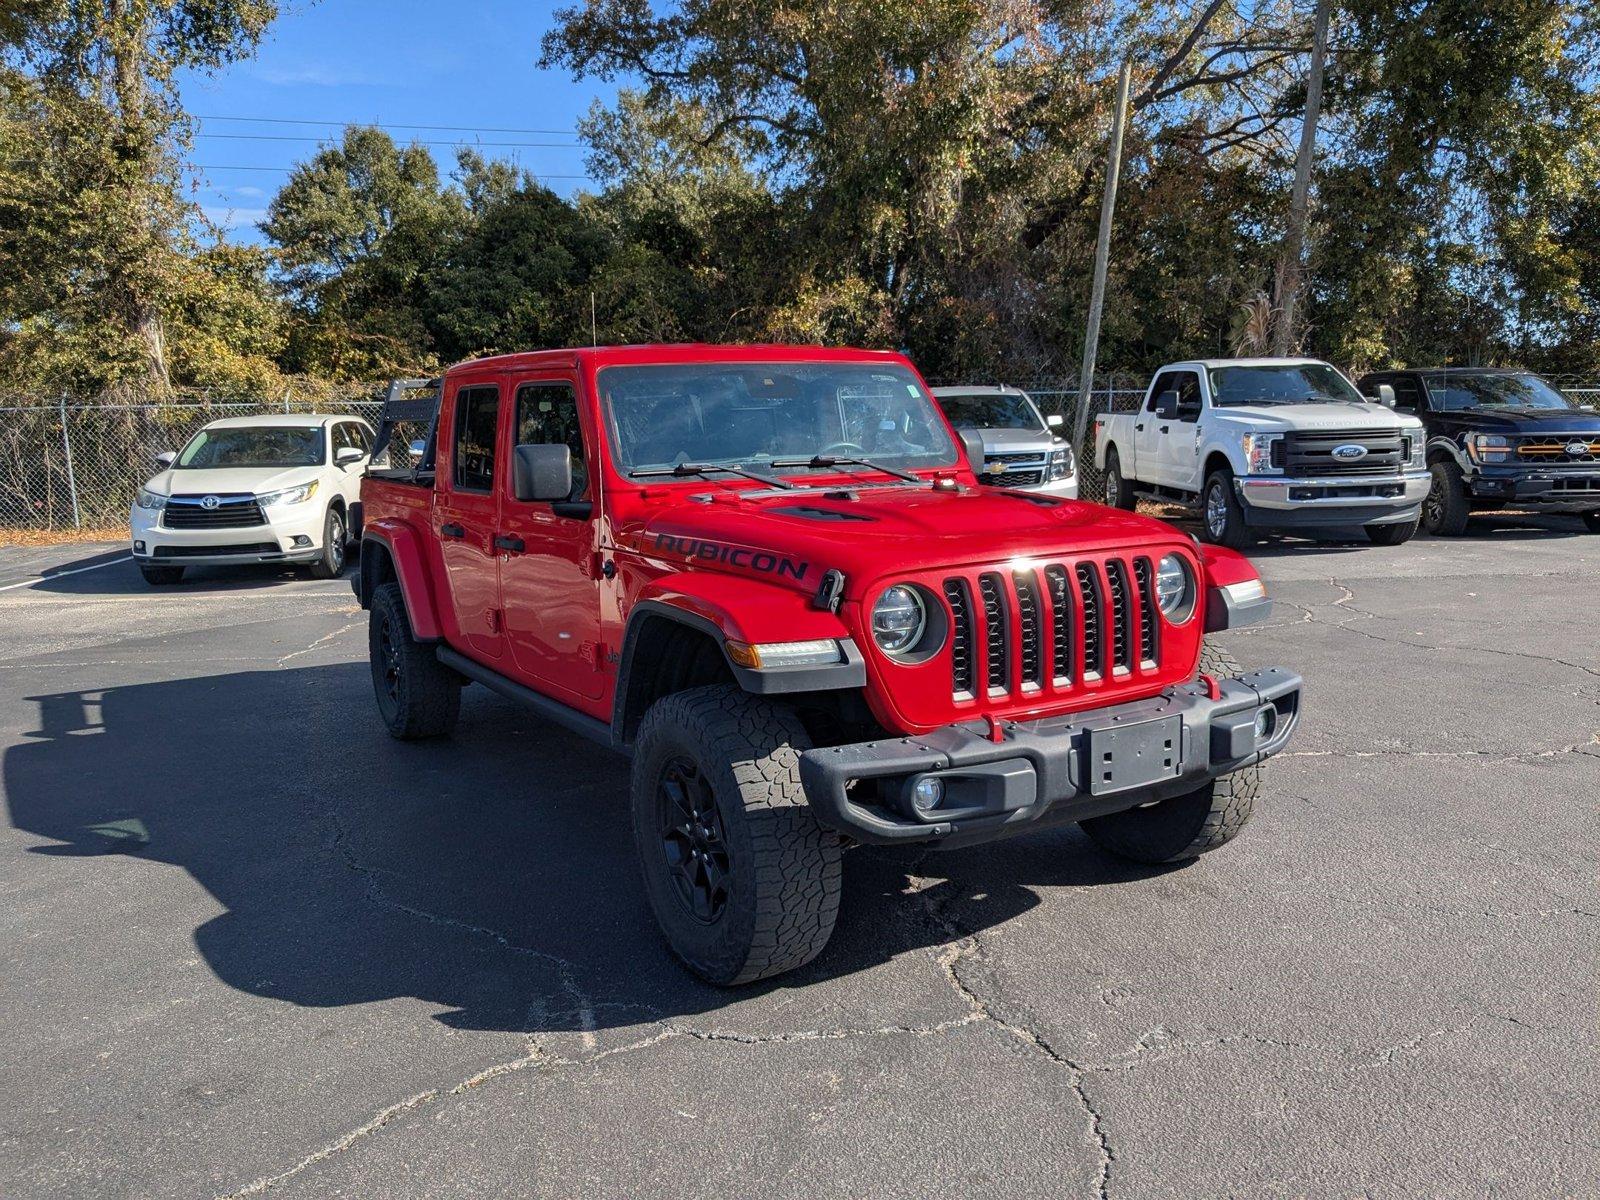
[[812, 513]]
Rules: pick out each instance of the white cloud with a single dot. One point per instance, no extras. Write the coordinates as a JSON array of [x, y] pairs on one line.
[[233, 218]]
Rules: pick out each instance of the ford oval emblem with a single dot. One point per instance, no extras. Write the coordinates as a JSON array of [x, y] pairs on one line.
[[210, 502], [1577, 449], [1350, 451]]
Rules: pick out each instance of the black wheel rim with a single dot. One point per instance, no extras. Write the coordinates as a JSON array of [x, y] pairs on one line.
[[1433, 506], [335, 542], [389, 662], [1113, 492], [692, 840]]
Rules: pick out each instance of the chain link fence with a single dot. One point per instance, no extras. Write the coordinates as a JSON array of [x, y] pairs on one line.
[[67, 466]]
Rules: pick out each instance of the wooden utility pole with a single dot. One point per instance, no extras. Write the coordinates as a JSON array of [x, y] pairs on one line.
[[1294, 238], [1102, 255]]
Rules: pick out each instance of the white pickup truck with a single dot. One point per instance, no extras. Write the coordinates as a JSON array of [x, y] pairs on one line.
[[1267, 443]]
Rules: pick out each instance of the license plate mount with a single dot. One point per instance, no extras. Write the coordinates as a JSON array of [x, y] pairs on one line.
[[1122, 757]]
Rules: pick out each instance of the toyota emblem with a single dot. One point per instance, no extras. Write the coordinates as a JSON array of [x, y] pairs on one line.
[[210, 502], [1350, 451]]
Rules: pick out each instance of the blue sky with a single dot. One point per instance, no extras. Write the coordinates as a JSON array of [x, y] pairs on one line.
[[470, 63]]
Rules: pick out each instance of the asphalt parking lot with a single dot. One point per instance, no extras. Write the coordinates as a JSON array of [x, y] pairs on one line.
[[251, 945]]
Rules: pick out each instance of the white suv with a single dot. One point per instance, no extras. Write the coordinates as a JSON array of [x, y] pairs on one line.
[[255, 490]]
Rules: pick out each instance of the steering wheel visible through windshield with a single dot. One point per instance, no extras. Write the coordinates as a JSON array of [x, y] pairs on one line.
[[1286, 383], [750, 414]]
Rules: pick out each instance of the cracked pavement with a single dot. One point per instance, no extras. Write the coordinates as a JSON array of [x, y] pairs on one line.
[[253, 947]]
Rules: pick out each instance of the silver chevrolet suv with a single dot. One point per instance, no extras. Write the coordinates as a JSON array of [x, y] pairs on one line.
[[1020, 447]]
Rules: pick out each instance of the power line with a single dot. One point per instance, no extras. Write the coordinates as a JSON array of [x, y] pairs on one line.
[[384, 125], [309, 137], [286, 170]]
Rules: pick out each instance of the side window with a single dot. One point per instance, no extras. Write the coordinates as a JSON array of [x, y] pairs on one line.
[[547, 414], [347, 436], [1168, 382], [472, 453], [1188, 396], [1408, 394]]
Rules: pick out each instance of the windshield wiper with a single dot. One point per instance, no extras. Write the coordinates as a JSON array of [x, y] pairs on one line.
[[683, 470], [822, 462]]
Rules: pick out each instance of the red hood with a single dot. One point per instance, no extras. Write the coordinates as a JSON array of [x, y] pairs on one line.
[[794, 538]]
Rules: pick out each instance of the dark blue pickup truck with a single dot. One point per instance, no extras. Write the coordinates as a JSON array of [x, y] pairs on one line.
[[1498, 438]]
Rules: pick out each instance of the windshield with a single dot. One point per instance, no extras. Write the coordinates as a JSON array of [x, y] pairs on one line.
[[1452, 393], [991, 412], [751, 413], [1290, 383], [254, 446]]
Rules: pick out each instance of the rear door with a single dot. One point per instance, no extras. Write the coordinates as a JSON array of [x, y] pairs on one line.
[[549, 586], [466, 515]]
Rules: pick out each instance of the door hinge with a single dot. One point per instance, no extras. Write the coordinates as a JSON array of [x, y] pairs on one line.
[[496, 620]]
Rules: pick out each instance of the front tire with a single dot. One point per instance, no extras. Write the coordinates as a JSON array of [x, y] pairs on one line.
[[418, 696], [1187, 826], [335, 541], [742, 880], [1446, 509], [1221, 515], [1117, 493], [161, 576], [1392, 535]]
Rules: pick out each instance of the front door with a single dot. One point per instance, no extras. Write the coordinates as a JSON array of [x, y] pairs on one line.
[[466, 515], [548, 582], [1150, 433], [1180, 445]]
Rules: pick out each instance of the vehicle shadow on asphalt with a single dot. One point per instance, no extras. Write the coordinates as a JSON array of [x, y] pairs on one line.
[[493, 875], [71, 579]]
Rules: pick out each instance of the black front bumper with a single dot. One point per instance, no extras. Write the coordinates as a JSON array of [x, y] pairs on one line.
[[1574, 487], [1052, 770]]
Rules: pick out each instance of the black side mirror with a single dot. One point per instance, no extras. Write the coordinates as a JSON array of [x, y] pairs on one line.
[[972, 443], [1167, 406], [542, 472]]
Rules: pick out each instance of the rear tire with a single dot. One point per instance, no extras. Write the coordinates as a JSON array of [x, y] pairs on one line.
[[1221, 515], [1446, 509], [418, 696], [335, 541], [1392, 535], [1189, 825], [1117, 493], [1591, 521], [161, 576], [742, 880]]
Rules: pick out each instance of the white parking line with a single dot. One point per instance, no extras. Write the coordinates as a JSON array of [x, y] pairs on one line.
[[58, 574]]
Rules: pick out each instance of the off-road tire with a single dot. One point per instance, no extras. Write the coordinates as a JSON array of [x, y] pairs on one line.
[[783, 869], [1392, 535], [335, 542], [1446, 508], [1186, 826], [161, 576], [1233, 533], [422, 698], [1116, 491], [1591, 521]]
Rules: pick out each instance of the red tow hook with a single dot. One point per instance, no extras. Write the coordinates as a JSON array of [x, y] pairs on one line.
[[1213, 688], [996, 734]]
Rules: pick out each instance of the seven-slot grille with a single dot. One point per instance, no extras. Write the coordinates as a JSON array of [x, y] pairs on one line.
[[229, 512], [1307, 453], [1059, 624], [1553, 450]]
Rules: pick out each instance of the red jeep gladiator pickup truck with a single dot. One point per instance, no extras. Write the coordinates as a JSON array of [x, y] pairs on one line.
[[768, 575]]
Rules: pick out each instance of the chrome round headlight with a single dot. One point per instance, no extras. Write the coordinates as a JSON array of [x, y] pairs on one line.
[[898, 619], [1174, 588]]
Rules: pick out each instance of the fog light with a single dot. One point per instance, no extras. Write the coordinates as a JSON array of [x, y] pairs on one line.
[[1266, 722], [300, 540], [138, 547], [926, 794]]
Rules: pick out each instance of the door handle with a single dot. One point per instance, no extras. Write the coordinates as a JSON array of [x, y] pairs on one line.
[[451, 529], [1140, 427], [513, 545], [1163, 429]]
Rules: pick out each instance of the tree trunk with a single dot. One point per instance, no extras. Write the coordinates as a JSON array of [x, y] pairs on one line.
[[127, 38], [1288, 276]]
